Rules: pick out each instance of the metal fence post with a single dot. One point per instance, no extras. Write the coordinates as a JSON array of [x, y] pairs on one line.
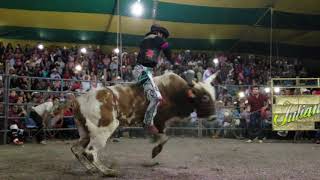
[[199, 127], [6, 102]]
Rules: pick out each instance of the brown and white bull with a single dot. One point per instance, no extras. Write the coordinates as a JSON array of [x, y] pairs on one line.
[[98, 113]]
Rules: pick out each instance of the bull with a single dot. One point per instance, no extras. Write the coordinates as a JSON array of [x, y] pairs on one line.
[[99, 112]]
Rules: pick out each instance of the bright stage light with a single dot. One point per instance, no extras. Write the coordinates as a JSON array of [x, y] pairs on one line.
[[137, 9], [241, 94], [83, 50], [78, 67], [116, 50], [277, 90], [267, 89], [215, 61], [40, 46]]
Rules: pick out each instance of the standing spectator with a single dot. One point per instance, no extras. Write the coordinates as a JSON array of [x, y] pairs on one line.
[[258, 103]]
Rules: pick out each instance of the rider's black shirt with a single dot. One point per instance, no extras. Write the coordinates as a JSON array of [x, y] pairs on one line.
[[150, 49]]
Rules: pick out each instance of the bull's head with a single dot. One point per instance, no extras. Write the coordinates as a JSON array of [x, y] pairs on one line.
[[202, 94]]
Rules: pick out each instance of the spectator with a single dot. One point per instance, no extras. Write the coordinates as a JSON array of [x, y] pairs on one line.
[[54, 74], [57, 62], [258, 103], [85, 85], [207, 73], [16, 125], [13, 97], [40, 115]]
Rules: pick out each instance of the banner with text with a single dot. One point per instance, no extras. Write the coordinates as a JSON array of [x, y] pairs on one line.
[[295, 112]]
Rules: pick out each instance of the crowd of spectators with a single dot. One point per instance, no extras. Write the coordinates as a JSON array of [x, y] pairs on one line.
[[83, 69]]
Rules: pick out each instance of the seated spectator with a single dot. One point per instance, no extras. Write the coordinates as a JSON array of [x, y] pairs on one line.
[[13, 97], [86, 85], [15, 125]]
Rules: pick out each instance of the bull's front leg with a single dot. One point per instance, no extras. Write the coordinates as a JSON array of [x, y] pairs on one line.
[[93, 157], [78, 150], [98, 138]]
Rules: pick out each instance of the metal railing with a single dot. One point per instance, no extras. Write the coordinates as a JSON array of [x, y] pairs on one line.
[[7, 78]]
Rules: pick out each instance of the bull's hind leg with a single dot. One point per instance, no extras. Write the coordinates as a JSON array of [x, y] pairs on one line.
[[78, 148], [160, 139], [98, 140]]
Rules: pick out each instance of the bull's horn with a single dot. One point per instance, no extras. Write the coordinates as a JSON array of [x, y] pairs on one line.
[[211, 78], [189, 75]]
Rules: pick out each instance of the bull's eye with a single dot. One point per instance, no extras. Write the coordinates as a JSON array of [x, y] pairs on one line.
[[205, 98]]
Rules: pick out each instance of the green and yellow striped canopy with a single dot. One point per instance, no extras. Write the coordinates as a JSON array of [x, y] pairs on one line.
[[236, 25]]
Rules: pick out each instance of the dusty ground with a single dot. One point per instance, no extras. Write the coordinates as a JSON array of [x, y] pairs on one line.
[[182, 158]]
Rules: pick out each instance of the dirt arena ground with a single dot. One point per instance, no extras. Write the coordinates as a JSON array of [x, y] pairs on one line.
[[182, 158]]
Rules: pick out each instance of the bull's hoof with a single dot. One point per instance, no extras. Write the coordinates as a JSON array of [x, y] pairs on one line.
[[156, 150], [92, 171], [105, 171], [114, 165], [110, 173], [150, 164]]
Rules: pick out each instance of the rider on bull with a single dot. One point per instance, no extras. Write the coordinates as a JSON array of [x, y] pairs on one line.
[[150, 48]]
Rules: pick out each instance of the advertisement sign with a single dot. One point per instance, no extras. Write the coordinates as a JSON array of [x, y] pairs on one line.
[[295, 112]]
